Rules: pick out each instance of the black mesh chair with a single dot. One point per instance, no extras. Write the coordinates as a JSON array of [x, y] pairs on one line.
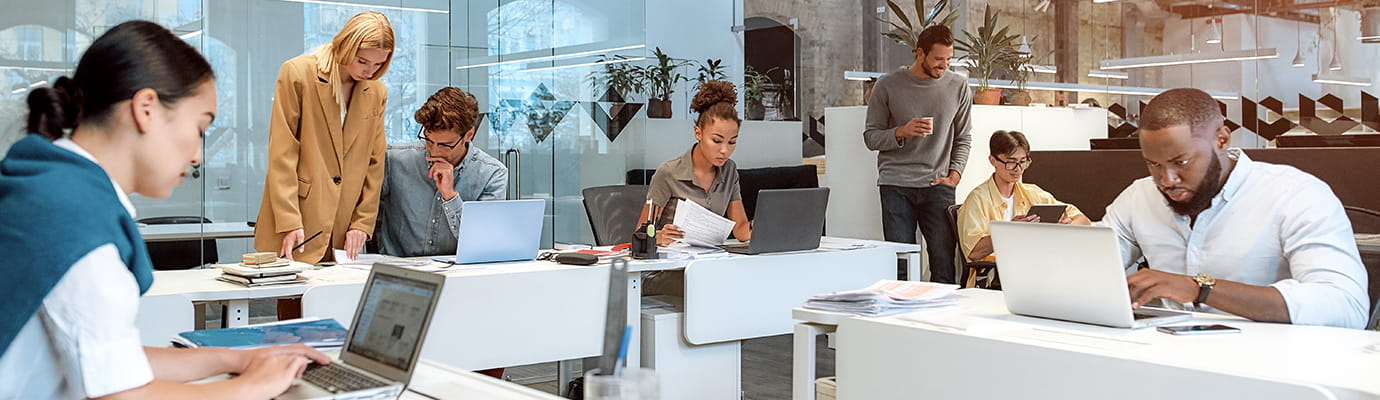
[[639, 176], [613, 211], [1367, 222], [180, 254], [751, 180], [981, 274]]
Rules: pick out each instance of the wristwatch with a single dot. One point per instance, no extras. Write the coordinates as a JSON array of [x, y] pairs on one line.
[[1205, 283]]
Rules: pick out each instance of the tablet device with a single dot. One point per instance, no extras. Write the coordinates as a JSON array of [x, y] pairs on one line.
[[1049, 213]]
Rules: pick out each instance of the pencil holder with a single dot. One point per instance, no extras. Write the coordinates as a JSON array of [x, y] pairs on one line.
[[643, 245]]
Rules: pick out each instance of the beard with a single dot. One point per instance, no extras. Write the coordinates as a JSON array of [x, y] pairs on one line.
[[1202, 196]]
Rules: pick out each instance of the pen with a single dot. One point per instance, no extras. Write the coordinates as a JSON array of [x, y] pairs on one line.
[[304, 242], [622, 351]]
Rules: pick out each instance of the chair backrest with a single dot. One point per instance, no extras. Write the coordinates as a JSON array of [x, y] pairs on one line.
[[613, 211], [1363, 220], [752, 180], [960, 259], [639, 176], [162, 316], [180, 254]]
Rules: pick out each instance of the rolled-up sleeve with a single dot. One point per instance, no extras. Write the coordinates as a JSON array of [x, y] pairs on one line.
[[1328, 282]]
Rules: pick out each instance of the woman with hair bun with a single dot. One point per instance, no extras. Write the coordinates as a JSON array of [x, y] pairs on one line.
[[136, 108], [704, 174], [326, 145]]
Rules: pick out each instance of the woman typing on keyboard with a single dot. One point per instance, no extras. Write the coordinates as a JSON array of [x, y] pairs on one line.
[[136, 109]]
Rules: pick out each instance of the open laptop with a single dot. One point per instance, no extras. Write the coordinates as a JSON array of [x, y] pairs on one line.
[[1071, 273], [385, 339], [495, 231], [786, 220]]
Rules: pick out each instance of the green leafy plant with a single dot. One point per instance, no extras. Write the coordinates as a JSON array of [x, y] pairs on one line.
[[908, 32], [662, 77], [993, 50], [621, 76], [755, 84], [710, 70]]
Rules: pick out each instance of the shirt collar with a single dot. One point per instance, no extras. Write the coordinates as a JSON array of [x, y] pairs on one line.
[[683, 168], [69, 145], [1238, 174]]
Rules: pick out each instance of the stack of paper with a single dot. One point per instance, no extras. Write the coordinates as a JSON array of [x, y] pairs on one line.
[[277, 273], [702, 228], [888, 297], [315, 332]]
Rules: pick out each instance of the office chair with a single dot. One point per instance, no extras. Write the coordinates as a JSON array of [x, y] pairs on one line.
[[613, 211], [979, 274], [1366, 221], [180, 254]]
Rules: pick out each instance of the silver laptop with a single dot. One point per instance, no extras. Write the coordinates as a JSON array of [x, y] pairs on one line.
[[385, 339], [1071, 273], [786, 220], [494, 231]]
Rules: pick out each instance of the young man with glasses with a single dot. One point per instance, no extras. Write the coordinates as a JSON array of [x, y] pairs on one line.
[[1004, 197], [425, 182]]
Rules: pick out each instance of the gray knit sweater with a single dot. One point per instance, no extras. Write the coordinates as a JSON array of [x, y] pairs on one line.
[[915, 162]]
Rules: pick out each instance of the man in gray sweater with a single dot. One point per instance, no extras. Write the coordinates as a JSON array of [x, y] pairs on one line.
[[918, 122]]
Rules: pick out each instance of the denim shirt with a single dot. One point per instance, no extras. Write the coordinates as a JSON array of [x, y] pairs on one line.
[[413, 218]]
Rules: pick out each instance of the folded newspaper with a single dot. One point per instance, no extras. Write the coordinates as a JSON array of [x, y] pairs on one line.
[[887, 297]]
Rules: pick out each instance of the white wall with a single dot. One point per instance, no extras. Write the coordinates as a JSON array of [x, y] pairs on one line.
[[851, 169], [760, 143]]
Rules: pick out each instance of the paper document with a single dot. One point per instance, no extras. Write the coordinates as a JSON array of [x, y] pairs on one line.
[[342, 257], [887, 297], [702, 228]]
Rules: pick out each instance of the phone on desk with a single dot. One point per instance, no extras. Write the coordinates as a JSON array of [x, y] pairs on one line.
[[1197, 329], [1049, 213]]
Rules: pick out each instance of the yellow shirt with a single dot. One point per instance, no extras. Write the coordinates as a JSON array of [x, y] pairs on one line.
[[984, 204]]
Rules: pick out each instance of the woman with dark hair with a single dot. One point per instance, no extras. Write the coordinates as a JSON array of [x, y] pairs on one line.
[[704, 174], [136, 109]]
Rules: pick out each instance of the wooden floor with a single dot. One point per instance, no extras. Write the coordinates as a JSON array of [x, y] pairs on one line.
[[766, 361]]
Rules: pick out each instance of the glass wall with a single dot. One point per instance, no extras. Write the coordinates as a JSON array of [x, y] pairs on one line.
[[528, 62]]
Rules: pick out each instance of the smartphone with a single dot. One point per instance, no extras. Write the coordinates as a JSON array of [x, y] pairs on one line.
[[1049, 213], [1197, 329]]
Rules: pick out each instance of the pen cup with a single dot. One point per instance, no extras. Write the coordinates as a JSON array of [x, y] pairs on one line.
[[643, 246], [633, 384]]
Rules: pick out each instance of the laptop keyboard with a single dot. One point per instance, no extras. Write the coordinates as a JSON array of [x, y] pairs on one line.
[[337, 379]]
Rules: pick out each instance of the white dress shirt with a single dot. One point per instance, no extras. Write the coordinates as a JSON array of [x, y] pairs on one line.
[[82, 341], [1269, 225]]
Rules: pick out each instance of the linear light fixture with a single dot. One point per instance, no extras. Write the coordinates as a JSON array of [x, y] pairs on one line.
[[19, 90], [621, 60], [45, 69], [190, 35], [555, 57], [349, 4], [1104, 1], [861, 76], [1076, 87], [1097, 73], [1194, 58], [37, 84], [1341, 80], [1037, 68]]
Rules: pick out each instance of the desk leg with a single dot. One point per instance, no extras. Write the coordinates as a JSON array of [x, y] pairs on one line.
[[564, 369], [635, 319], [803, 370], [236, 313]]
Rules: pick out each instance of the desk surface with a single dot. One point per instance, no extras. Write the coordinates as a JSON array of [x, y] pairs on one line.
[[1345, 360], [437, 381], [216, 230]]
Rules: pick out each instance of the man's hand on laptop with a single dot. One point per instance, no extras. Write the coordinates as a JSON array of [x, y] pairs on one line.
[[1149, 284]]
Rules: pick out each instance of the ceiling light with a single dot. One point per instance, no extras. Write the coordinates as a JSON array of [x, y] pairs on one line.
[[861, 76], [1076, 87], [621, 60], [19, 90], [37, 84], [1340, 80], [45, 69], [1298, 58], [1214, 35], [190, 35], [555, 57], [373, 6], [1194, 58], [1097, 73], [1336, 64], [1025, 46], [1104, 1]]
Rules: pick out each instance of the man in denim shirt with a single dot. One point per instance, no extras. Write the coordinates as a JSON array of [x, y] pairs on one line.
[[426, 182]]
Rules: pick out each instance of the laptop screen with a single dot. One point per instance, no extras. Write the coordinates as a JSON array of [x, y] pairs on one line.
[[390, 322]]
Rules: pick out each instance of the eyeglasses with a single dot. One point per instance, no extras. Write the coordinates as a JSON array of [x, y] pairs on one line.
[[1013, 164], [421, 134]]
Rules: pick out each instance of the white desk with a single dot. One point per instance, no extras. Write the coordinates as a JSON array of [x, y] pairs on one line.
[[216, 230], [434, 380], [982, 351]]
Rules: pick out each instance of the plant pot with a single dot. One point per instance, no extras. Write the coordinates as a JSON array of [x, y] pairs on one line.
[[657, 108], [754, 111], [1370, 25], [988, 97], [1021, 98]]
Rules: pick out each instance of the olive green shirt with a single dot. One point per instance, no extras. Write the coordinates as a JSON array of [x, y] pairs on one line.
[[676, 179]]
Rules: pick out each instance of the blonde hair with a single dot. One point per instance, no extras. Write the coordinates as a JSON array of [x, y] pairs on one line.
[[366, 30]]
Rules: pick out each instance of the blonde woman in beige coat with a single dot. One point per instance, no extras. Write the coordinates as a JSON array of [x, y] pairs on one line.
[[326, 145]]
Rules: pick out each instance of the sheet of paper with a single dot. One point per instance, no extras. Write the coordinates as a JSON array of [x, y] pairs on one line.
[[702, 227], [342, 257]]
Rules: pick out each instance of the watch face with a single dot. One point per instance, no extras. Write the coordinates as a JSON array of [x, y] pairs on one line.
[[1204, 280]]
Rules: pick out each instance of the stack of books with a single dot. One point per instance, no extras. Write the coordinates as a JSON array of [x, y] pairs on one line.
[[261, 269]]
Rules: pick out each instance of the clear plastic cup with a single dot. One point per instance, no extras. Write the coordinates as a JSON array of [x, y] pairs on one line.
[[633, 384]]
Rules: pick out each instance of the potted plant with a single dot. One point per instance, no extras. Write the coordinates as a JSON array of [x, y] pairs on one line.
[[620, 77], [754, 87], [661, 79], [710, 70], [785, 97], [908, 32], [991, 51]]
